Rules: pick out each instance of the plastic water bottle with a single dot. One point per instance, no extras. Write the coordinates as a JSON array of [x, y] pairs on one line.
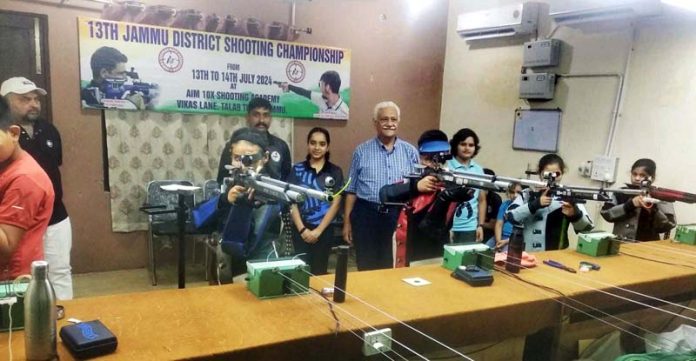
[[40, 315]]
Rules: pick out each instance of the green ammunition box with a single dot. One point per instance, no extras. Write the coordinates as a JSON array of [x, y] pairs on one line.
[[597, 244], [277, 278], [686, 233], [467, 254]]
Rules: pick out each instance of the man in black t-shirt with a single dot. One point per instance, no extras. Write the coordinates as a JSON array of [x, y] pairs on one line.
[[42, 141], [259, 117]]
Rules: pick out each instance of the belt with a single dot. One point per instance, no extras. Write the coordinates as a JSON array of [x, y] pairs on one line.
[[378, 207]]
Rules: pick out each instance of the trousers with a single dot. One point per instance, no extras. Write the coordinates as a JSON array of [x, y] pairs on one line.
[[373, 227], [57, 246]]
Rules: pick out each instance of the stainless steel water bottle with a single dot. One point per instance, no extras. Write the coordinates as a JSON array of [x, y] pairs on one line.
[[40, 315]]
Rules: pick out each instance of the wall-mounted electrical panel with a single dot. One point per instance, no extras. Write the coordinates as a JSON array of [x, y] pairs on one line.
[[537, 86], [604, 168], [585, 169], [542, 53]]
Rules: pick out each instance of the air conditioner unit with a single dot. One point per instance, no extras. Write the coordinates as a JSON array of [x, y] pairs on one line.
[[78, 4], [499, 22], [626, 9]]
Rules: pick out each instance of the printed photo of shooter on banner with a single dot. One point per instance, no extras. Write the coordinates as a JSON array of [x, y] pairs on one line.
[[145, 67]]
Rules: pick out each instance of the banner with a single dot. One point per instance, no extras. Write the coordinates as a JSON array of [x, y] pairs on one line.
[[134, 66]]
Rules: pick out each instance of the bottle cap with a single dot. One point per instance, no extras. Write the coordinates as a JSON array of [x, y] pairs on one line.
[[39, 270]]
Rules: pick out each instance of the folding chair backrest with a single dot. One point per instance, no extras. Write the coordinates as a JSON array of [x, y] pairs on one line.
[[157, 196]]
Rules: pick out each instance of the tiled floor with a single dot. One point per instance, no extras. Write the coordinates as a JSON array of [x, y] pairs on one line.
[[134, 280]]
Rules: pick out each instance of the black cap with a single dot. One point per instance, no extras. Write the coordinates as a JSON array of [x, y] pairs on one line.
[[252, 136]]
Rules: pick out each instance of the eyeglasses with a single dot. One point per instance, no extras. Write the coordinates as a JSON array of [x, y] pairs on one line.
[[388, 121], [246, 159]]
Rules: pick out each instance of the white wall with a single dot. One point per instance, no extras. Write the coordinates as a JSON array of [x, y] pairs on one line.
[[480, 89], [659, 120]]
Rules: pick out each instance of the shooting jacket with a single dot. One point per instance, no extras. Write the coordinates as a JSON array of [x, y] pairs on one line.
[[250, 231], [546, 228], [636, 223], [431, 215]]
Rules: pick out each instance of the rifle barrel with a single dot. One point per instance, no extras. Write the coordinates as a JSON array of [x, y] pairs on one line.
[[312, 193], [524, 182], [279, 193]]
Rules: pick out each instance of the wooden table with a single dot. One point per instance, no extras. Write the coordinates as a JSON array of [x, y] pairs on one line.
[[229, 321], [663, 270]]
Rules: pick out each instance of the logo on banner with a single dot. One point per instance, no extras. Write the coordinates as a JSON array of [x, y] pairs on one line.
[[171, 60], [295, 71]]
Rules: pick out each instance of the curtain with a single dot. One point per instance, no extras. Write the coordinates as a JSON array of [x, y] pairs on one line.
[[146, 146]]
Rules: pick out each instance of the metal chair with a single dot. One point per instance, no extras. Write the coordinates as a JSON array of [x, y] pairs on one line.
[[161, 209], [211, 188]]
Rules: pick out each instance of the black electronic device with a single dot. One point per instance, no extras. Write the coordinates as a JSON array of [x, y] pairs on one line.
[[473, 275], [515, 248], [339, 295], [88, 339]]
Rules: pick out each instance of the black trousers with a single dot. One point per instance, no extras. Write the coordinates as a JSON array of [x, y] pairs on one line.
[[373, 228], [316, 255]]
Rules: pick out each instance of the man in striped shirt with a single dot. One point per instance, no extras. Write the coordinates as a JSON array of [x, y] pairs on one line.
[[382, 160]]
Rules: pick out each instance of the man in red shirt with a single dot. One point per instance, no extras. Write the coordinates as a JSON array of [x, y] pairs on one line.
[[26, 202]]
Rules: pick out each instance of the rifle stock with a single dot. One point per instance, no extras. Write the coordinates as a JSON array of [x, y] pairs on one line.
[[671, 195]]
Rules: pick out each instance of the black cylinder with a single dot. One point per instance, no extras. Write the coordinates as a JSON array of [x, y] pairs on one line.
[[515, 248], [181, 233], [341, 274]]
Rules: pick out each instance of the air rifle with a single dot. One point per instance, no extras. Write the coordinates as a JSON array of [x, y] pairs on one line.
[[270, 189], [463, 179], [567, 193]]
